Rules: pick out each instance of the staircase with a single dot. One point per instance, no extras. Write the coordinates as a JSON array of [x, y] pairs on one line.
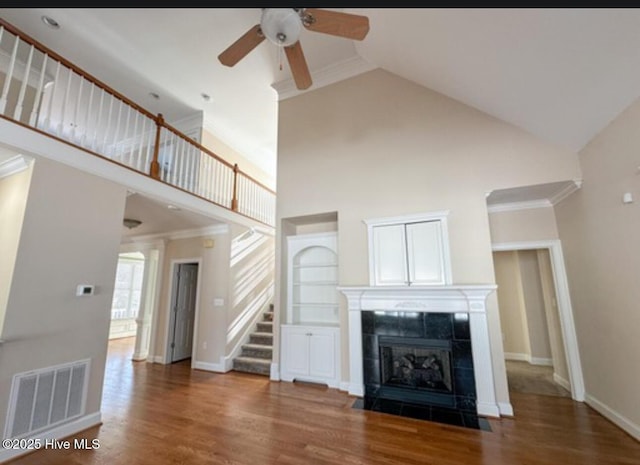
[[256, 355]]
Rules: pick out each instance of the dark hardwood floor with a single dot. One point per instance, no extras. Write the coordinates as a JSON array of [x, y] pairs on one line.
[[155, 414]]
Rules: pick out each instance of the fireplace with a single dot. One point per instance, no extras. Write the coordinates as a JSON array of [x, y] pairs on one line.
[[436, 326], [419, 358], [417, 369]]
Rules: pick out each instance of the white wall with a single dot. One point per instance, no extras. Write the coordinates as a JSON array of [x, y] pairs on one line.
[[377, 145], [13, 200], [534, 306], [70, 236], [227, 292], [602, 253], [530, 225], [513, 318]]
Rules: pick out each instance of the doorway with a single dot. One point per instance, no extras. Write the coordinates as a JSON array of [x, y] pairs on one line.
[[184, 297], [536, 318]]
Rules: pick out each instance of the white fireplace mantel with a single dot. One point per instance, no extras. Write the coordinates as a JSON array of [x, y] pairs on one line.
[[461, 299]]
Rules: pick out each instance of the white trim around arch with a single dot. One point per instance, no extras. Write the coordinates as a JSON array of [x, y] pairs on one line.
[[565, 310]]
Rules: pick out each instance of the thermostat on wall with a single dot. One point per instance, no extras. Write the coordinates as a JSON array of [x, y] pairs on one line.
[[85, 289]]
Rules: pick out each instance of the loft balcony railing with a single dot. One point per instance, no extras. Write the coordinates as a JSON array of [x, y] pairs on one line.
[[43, 91]]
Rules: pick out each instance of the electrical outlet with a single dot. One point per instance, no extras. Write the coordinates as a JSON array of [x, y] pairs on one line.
[[204, 345]]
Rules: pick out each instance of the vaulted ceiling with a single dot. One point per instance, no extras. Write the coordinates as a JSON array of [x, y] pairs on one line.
[[561, 74]]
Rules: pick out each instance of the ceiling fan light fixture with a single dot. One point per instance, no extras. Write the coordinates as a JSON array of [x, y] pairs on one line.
[[282, 26], [131, 223]]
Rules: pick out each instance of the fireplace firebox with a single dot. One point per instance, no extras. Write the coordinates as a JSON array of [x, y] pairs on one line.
[[419, 358], [417, 370]]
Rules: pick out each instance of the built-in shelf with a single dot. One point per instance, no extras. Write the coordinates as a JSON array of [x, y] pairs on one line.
[[312, 279], [315, 265], [315, 283]]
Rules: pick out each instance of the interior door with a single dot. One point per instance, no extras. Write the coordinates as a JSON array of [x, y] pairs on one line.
[[184, 311]]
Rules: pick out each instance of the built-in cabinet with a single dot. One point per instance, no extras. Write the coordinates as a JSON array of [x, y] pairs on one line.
[[310, 336], [311, 353], [409, 251]]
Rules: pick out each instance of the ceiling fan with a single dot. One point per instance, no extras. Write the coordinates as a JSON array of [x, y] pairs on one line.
[[282, 26]]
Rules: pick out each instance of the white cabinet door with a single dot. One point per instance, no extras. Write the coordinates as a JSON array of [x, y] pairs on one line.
[[322, 354], [424, 249], [390, 255], [310, 354], [295, 342]]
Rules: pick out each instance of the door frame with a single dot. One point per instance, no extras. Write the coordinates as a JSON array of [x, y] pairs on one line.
[[565, 310], [173, 267]]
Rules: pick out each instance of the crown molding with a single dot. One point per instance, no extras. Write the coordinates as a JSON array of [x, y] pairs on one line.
[[566, 192], [13, 165], [331, 74], [556, 198], [515, 206], [175, 235]]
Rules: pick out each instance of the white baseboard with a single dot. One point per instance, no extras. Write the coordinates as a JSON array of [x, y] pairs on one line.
[[506, 410], [528, 358], [488, 409], [157, 359], [344, 386], [60, 432], [618, 419], [561, 381], [541, 361], [517, 357], [274, 374], [356, 390], [216, 367]]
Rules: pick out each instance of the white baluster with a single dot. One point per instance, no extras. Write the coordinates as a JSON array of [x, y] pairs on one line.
[[94, 143], [83, 139], [126, 144], [9, 77], [134, 138], [117, 153], [17, 114], [147, 158], [54, 86], [108, 128], [36, 104], [65, 102], [74, 124]]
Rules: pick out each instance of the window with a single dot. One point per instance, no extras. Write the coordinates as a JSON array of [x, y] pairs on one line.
[[128, 287]]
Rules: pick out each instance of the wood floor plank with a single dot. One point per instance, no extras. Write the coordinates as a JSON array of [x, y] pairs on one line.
[[155, 414]]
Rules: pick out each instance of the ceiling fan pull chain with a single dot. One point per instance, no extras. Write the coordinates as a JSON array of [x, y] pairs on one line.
[[280, 57]]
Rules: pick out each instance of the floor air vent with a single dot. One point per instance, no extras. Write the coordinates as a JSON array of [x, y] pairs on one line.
[[43, 398]]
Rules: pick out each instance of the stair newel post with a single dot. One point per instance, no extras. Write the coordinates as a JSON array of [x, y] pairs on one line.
[[154, 169], [234, 200]]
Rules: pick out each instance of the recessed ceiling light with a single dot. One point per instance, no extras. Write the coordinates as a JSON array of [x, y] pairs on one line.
[[52, 23], [173, 207], [154, 95]]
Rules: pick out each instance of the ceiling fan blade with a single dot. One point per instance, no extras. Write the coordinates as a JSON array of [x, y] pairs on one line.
[[335, 23], [241, 47], [298, 66]]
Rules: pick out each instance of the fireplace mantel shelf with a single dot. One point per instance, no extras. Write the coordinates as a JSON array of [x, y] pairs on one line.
[[468, 298], [450, 299]]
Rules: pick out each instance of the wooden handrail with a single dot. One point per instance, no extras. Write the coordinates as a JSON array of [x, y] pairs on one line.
[[43, 48], [154, 166]]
